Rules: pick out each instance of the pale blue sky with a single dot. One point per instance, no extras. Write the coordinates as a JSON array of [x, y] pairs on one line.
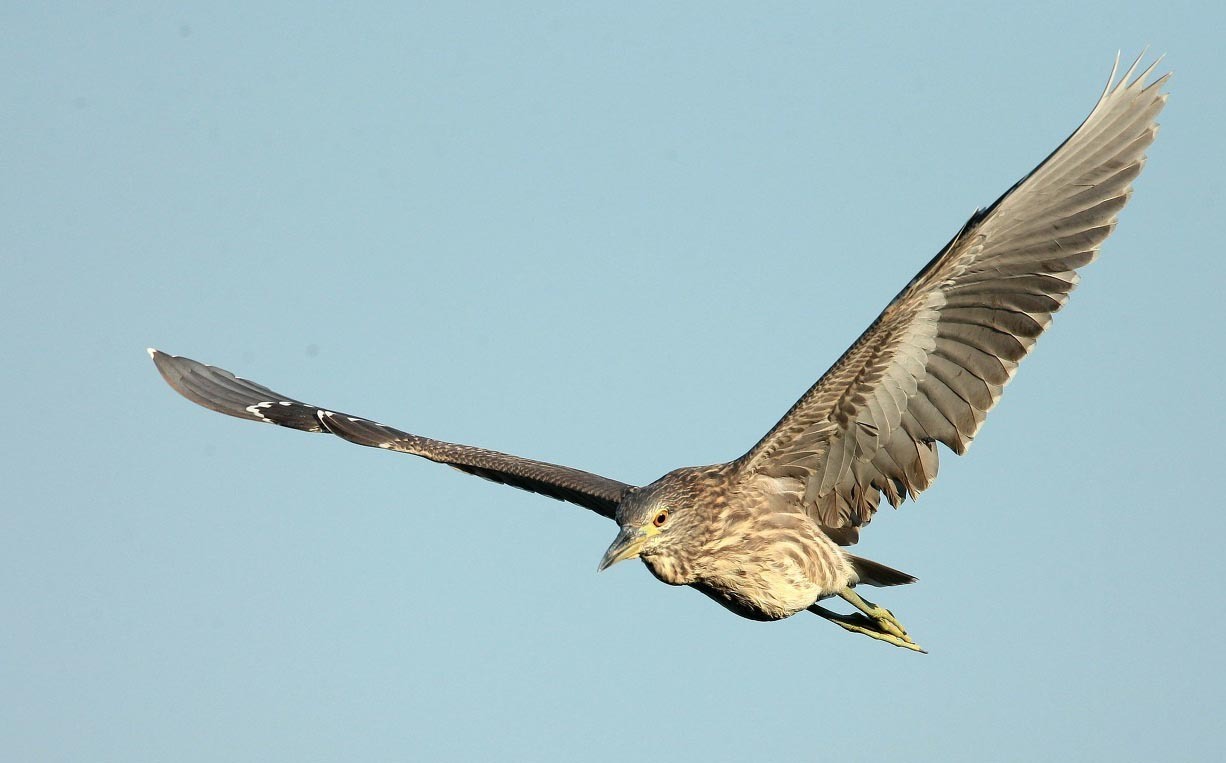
[[623, 238]]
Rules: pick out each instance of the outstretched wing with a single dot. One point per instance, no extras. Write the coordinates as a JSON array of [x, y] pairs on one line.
[[222, 391], [935, 361]]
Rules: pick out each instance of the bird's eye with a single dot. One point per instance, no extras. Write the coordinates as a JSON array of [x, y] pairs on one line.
[[660, 518]]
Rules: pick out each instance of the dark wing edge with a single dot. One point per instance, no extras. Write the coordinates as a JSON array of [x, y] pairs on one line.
[[219, 390], [938, 357]]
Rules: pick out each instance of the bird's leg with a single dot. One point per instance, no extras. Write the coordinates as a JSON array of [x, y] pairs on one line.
[[871, 620], [884, 618], [859, 623]]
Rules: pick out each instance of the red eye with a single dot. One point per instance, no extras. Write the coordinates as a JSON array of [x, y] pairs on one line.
[[661, 518]]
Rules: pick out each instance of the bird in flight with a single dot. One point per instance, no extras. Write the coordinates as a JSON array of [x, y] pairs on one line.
[[764, 535]]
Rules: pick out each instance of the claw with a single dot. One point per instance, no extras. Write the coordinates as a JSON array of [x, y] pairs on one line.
[[872, 621], [882, 617], [867, 626]]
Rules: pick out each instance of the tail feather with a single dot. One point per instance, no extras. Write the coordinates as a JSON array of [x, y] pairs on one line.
[[876, 574]]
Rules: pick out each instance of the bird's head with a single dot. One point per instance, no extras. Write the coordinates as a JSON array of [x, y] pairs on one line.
[[657, 528]]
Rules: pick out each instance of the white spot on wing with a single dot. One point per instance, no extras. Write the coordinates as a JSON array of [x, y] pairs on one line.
[[254, 410]]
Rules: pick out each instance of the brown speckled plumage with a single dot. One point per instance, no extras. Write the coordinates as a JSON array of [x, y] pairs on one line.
[[761, 534]]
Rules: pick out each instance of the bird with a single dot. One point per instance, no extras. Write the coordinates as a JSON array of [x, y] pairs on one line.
[[766, 535]]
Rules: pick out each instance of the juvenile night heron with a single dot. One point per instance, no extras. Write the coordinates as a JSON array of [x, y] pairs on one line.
[[762, 535]]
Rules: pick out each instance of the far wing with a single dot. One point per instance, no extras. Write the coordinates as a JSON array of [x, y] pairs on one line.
[[221, 391], [935, 361]]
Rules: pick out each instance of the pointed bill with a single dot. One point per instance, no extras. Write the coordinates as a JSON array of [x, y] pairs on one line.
[[627, 545]]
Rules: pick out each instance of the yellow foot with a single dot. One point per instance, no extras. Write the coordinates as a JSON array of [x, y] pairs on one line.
[[867, 626], [882, 617]]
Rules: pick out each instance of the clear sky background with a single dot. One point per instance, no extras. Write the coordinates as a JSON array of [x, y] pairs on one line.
[[624, 238]]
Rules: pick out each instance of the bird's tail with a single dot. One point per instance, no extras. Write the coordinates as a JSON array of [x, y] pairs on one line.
[[876, 574]]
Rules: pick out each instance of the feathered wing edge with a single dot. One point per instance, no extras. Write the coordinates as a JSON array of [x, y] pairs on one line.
[[221, 391], [937, 358]]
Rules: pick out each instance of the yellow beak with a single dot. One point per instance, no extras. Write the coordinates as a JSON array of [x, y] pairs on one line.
[[627, 545]]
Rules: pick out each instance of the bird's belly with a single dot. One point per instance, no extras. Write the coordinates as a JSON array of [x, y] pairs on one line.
[[762, 589], [770, 576], [774, 604]]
